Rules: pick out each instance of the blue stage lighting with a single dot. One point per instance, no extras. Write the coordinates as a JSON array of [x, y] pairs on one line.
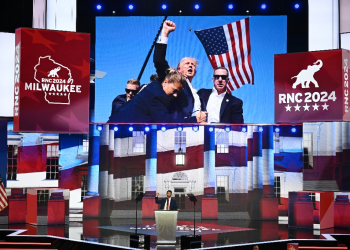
[[164, 6], [99, 7], [296, 6], [131, 129], [294, 130], [261, 129], [244, 129], [211, 129], [179, 128], [263, 6], [131, 6], [230, 6], [99, 127], [115, 128], [163, 128], [147, 129], [227, 129], [277, 130], [195, 128], [196, 6]]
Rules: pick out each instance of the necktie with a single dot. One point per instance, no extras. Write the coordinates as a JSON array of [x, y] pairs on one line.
[[167, 204]]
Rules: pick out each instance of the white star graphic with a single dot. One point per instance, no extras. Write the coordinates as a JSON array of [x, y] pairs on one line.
[[288, 108], [315, 106], [306, 107], [325, 106], [297, 107]]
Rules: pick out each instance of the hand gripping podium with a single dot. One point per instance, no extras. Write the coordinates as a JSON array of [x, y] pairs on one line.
[[166, 222]]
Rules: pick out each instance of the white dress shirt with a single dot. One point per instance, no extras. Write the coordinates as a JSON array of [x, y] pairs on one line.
[[165, 205], [214, 105]]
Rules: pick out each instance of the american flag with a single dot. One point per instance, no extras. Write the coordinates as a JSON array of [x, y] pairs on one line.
[[229, 46], [3, 196]]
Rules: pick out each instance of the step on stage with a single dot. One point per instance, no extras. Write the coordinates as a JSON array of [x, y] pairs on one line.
[[115, 233]]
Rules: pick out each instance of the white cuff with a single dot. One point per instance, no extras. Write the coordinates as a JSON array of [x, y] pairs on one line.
[[162, 39]]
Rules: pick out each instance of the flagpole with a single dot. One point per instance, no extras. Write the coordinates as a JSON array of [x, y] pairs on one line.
[[150, 51]]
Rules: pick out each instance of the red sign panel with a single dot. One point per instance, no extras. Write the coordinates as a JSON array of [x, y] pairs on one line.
[[52, 81], [312, 86]]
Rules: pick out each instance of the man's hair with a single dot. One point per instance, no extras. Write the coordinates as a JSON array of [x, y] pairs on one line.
[[133, 81], [173, 76], [170, 191], [153, 77], [220, 68], [194, 59]]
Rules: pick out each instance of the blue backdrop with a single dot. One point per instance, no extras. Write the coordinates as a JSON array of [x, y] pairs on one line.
[[122, 44]]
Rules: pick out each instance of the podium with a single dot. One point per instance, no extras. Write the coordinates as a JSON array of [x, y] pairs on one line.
[[166, 222]]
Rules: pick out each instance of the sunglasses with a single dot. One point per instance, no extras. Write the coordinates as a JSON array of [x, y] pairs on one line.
[[223, 77], [132, 91]]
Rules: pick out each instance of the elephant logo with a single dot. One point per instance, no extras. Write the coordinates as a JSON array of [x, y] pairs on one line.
[[307, 75], [53, 72]]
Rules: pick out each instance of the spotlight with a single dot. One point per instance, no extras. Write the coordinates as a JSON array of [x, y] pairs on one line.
[[179, 128], [146, 129], [227, 129], [163, 128], [196, 6], [164, 6], [277, 130], [99, 7], [99, 127], [296, 6], [211, 129], [195, 128], [131, 6], [263, 6], [261, 129], [244, 129], [294, 130], [131, 129], [230, 6], [115, 128]]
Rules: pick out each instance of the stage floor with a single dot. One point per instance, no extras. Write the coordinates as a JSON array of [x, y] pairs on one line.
[[214, 232]]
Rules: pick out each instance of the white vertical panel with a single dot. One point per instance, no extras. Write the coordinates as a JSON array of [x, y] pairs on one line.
[[61, 15], [344, 16], [345, 40], [323, 25], [39, 14], [7, 64]]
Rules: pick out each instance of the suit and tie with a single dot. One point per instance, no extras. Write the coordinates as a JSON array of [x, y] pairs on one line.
[[164, 203], [231, 109], [148, 106]]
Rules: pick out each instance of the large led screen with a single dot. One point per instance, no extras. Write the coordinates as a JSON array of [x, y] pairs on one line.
[[122, 44]]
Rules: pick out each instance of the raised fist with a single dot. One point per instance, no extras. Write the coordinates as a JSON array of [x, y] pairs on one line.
[[168, 27]]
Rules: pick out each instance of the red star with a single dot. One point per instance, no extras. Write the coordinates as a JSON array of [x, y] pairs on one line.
[[85, 69], [38, 38], [74, 124], [72, 36]]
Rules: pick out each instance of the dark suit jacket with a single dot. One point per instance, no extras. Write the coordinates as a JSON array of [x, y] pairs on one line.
[[148, 106], [183, 104], [162, 203], [231, 110], [118, 102]]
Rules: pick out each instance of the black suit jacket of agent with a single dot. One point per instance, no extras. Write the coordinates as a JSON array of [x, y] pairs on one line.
[[231, 110], [162, 203], [118, 102], [149, 105], [183, 104]]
